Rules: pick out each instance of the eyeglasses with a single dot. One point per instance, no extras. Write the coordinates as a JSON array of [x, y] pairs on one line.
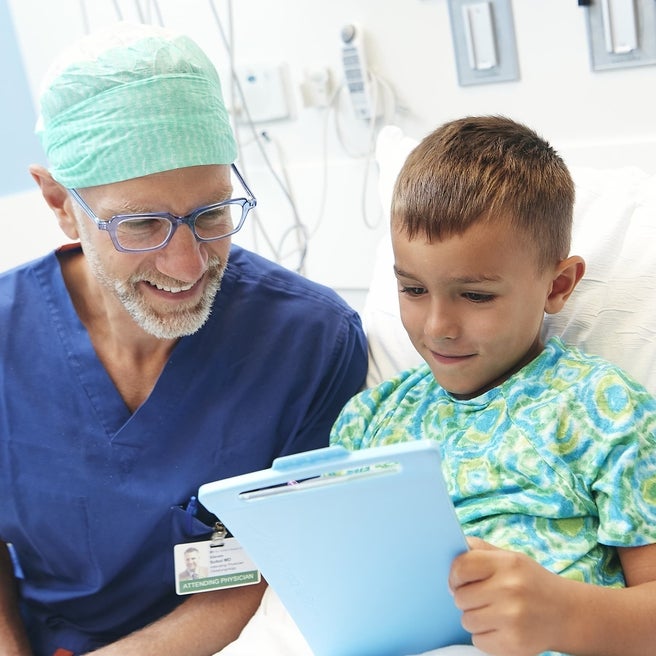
[[134, 233]]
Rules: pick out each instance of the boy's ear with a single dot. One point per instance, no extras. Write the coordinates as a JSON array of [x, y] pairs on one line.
[[57, 198], [566, 277]]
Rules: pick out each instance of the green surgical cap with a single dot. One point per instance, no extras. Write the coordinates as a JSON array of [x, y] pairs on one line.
[[131, 101]]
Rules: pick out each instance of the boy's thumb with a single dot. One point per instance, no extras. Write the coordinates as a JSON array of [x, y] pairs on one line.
[[477, 543]]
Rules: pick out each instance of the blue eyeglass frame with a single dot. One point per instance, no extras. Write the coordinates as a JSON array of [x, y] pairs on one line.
[[109, 225]]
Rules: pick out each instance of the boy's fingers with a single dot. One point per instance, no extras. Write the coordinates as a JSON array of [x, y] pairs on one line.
[[472, 566], [477, 543]]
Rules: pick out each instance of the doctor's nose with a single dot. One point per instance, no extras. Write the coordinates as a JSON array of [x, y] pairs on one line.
[[184, 257]]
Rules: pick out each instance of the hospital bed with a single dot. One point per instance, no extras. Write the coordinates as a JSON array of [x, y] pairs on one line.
[[611, 313]]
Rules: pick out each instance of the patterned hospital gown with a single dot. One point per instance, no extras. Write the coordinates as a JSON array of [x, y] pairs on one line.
[[558, 462]]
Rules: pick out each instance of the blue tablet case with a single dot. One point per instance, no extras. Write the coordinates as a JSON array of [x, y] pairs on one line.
[[357, 545]]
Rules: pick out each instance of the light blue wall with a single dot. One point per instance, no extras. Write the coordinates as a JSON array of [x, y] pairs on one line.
[[17, 114]]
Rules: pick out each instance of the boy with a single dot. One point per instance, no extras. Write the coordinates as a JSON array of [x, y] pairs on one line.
[[549, 454]]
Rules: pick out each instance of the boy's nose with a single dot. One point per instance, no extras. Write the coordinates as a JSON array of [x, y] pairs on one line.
[[441, 322]]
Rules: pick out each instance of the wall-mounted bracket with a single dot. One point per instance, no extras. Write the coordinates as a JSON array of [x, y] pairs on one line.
[[484, 41], [621, 33]]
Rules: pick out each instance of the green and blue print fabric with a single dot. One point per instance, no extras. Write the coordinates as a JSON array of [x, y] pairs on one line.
[[558, 462]]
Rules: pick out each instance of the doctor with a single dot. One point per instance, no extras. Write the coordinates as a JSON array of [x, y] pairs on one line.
[[146, 358]]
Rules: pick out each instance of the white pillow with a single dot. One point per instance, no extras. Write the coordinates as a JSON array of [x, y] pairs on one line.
[[390, 349], [611, 313]]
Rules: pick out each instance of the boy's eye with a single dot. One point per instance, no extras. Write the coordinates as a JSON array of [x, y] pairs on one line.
[[412, 291], [477, 297]]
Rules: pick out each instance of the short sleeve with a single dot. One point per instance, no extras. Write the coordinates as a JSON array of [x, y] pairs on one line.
[[625, 490]]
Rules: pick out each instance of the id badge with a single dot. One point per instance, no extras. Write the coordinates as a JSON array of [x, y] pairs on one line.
[[212, 565]]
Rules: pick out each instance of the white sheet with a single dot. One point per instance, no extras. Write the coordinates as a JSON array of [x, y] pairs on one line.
[[272, 632]]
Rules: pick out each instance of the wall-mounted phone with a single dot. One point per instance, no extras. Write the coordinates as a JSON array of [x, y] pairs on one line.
[[356, 72]]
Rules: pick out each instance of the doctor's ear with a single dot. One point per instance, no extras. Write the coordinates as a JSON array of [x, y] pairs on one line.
[[567, 275], [57, 198]]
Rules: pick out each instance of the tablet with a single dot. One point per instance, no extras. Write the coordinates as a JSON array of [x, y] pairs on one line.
[[357, 545]]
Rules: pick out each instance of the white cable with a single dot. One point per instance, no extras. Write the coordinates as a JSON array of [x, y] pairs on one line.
[[392, 107], [257, 137], [333, 108], [377, 83], [140, 13], [298, 228], [117, 9], [324, 186], [228, 43], [369, 154], [338, 128], [85, 17], [156, 7], [284, 188]]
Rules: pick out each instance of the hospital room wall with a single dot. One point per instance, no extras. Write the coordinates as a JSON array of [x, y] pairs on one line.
[[602, 119]]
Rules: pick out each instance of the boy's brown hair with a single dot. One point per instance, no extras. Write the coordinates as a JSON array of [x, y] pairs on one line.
[[485, 169]]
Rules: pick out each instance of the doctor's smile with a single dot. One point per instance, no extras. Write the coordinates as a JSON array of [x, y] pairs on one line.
[[172, 289], [180, 290]]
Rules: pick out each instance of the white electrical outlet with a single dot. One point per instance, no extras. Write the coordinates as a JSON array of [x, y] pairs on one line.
[[317, 87], [265, 94]]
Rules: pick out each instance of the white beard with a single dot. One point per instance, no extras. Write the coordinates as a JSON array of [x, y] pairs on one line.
[[184, 321]]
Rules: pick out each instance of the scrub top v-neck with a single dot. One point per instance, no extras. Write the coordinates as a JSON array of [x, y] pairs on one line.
[[94, 496]]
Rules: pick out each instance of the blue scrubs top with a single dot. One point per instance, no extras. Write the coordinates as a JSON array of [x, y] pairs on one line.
[[93, 497]]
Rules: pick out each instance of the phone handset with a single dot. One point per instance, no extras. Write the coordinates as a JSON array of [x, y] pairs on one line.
[[356, 73]]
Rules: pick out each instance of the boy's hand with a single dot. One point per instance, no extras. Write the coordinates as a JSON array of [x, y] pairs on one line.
[[509, 602]]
